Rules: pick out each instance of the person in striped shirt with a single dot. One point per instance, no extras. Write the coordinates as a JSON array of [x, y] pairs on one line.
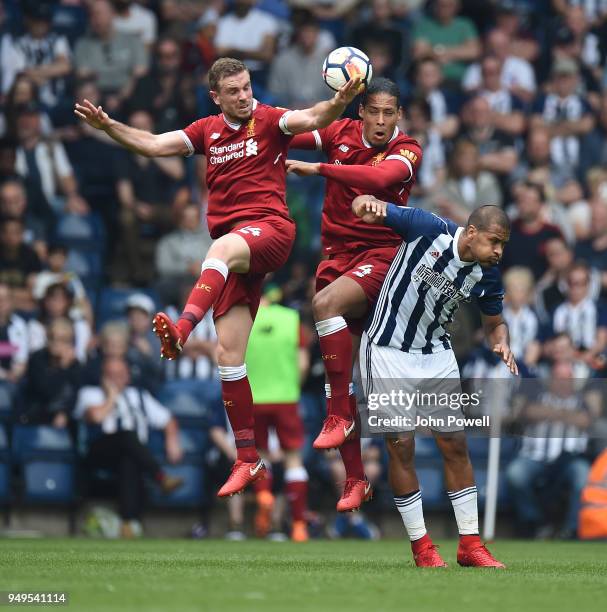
[[438, 266]]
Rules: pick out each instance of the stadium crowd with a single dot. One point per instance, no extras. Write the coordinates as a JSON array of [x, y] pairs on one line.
[[508, 100]]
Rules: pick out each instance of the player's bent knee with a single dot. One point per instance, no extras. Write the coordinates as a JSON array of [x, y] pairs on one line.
[[228, 357], [325, 305]]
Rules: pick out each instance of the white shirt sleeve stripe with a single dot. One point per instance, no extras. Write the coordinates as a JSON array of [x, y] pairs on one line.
[[318, 140], [188, 143], [282, 124], [404, 160]]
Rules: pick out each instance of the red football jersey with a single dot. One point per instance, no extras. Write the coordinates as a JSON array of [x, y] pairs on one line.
[[344, 143], [246, 173]]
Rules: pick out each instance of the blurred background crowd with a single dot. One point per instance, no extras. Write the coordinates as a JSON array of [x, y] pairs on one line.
[[509, 102]]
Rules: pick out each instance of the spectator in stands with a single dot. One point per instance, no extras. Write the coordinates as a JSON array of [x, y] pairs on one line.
[[23, 92], [428, 85], [582, 318], [294, 72], [595, 12], [248, 34], [593, 250], [57, 303], [467, 186], [19, 263], [166, 92], [13, 204], [523, 325], [508, 19], [598, 138], [508, 110], [56, 273], [8, 159], [125, 414], [380, 27], [178, 254], [148, 189], [53, 378], [431, 174], [177, 16], [116, 59], [496, 148], [555, 421], [516, 74], [551, 289], [132, 18], [41, 54], [452, 40], [44, 165], [13, 340], [529, 232], [567, 114]]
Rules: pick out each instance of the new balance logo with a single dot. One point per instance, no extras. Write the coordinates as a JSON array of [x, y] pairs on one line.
[[364, 270], [250, 147], [254, 231], [204, 287], [215, 135], [344, 148]]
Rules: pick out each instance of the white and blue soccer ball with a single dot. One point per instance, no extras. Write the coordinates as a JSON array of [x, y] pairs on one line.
[[344, 64]]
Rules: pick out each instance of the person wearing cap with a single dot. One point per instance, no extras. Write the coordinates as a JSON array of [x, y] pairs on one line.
[[566, 113], [40, 53]]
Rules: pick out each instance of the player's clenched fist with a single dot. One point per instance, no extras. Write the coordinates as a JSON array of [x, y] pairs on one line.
[[369, 209], [95, 116]]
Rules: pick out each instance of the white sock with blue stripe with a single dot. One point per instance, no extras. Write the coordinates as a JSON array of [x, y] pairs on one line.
[[410, 508], [465, 507]]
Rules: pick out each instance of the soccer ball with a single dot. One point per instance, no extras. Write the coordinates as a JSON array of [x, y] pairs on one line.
[[344, 64]]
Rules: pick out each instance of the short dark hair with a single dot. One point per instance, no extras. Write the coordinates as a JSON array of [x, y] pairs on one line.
[[422, 105], [485, 217], [224, 67], [539, 189], [381, 85]]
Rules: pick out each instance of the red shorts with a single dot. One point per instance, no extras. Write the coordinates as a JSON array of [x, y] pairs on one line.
[[270, 241], [367, 268], [285, 419]]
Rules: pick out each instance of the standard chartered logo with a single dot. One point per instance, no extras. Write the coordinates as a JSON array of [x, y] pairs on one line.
[[251, 147], [236, 150]]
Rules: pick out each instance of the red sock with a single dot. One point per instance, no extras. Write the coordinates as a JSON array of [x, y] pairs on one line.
[[468, 540], [350, 450], [418, 545], [263, 484], [296, 491], [238, 402], [204, 293], [336, 348]]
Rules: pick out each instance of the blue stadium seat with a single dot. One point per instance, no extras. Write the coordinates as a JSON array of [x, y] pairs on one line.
[[6, 401], [425, 447], [431, 485], [190, 494], [41, 442], [194, 443], [83, 232], [478, 446], [480, 476], [4, 468], [49, 481], [112, 303], [87, 265]]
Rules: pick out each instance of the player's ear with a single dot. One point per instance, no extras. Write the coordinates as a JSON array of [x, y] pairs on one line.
[[214, 96], [361, 109]]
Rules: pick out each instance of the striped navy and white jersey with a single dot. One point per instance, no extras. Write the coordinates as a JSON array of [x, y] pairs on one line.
[[426, 283]]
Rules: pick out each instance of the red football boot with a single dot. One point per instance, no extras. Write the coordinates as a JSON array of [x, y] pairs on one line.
[[334, 432], [242, 474], [169, 335], [425, 553], [355, 493], [475, 554]]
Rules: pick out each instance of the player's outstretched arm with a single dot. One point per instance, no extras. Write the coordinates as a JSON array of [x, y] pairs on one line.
[[323, 113], [496, 332], [138, 141]]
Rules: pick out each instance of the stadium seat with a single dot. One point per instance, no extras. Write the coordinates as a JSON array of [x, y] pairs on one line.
[[431, 485], [194, 443], [190, 494], [41, 442], [425, 447], [82, 232], [480, 475], [6, 401], [49, 482]]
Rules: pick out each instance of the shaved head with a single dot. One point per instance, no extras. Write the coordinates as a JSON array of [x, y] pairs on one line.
[[486, 217]]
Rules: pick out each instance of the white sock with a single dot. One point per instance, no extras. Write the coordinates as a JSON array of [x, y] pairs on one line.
[[215, 264], [328, 390], [330, 326], [466, 510], [410, 508]]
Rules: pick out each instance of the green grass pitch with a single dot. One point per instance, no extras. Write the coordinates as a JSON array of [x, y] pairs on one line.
[[180, 575]]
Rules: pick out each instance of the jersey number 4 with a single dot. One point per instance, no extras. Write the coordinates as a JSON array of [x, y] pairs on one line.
[[364, 270]]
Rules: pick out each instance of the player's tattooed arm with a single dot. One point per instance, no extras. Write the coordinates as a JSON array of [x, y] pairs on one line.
[[138, 141], [323, 113], [496, 332], [369, 209]]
